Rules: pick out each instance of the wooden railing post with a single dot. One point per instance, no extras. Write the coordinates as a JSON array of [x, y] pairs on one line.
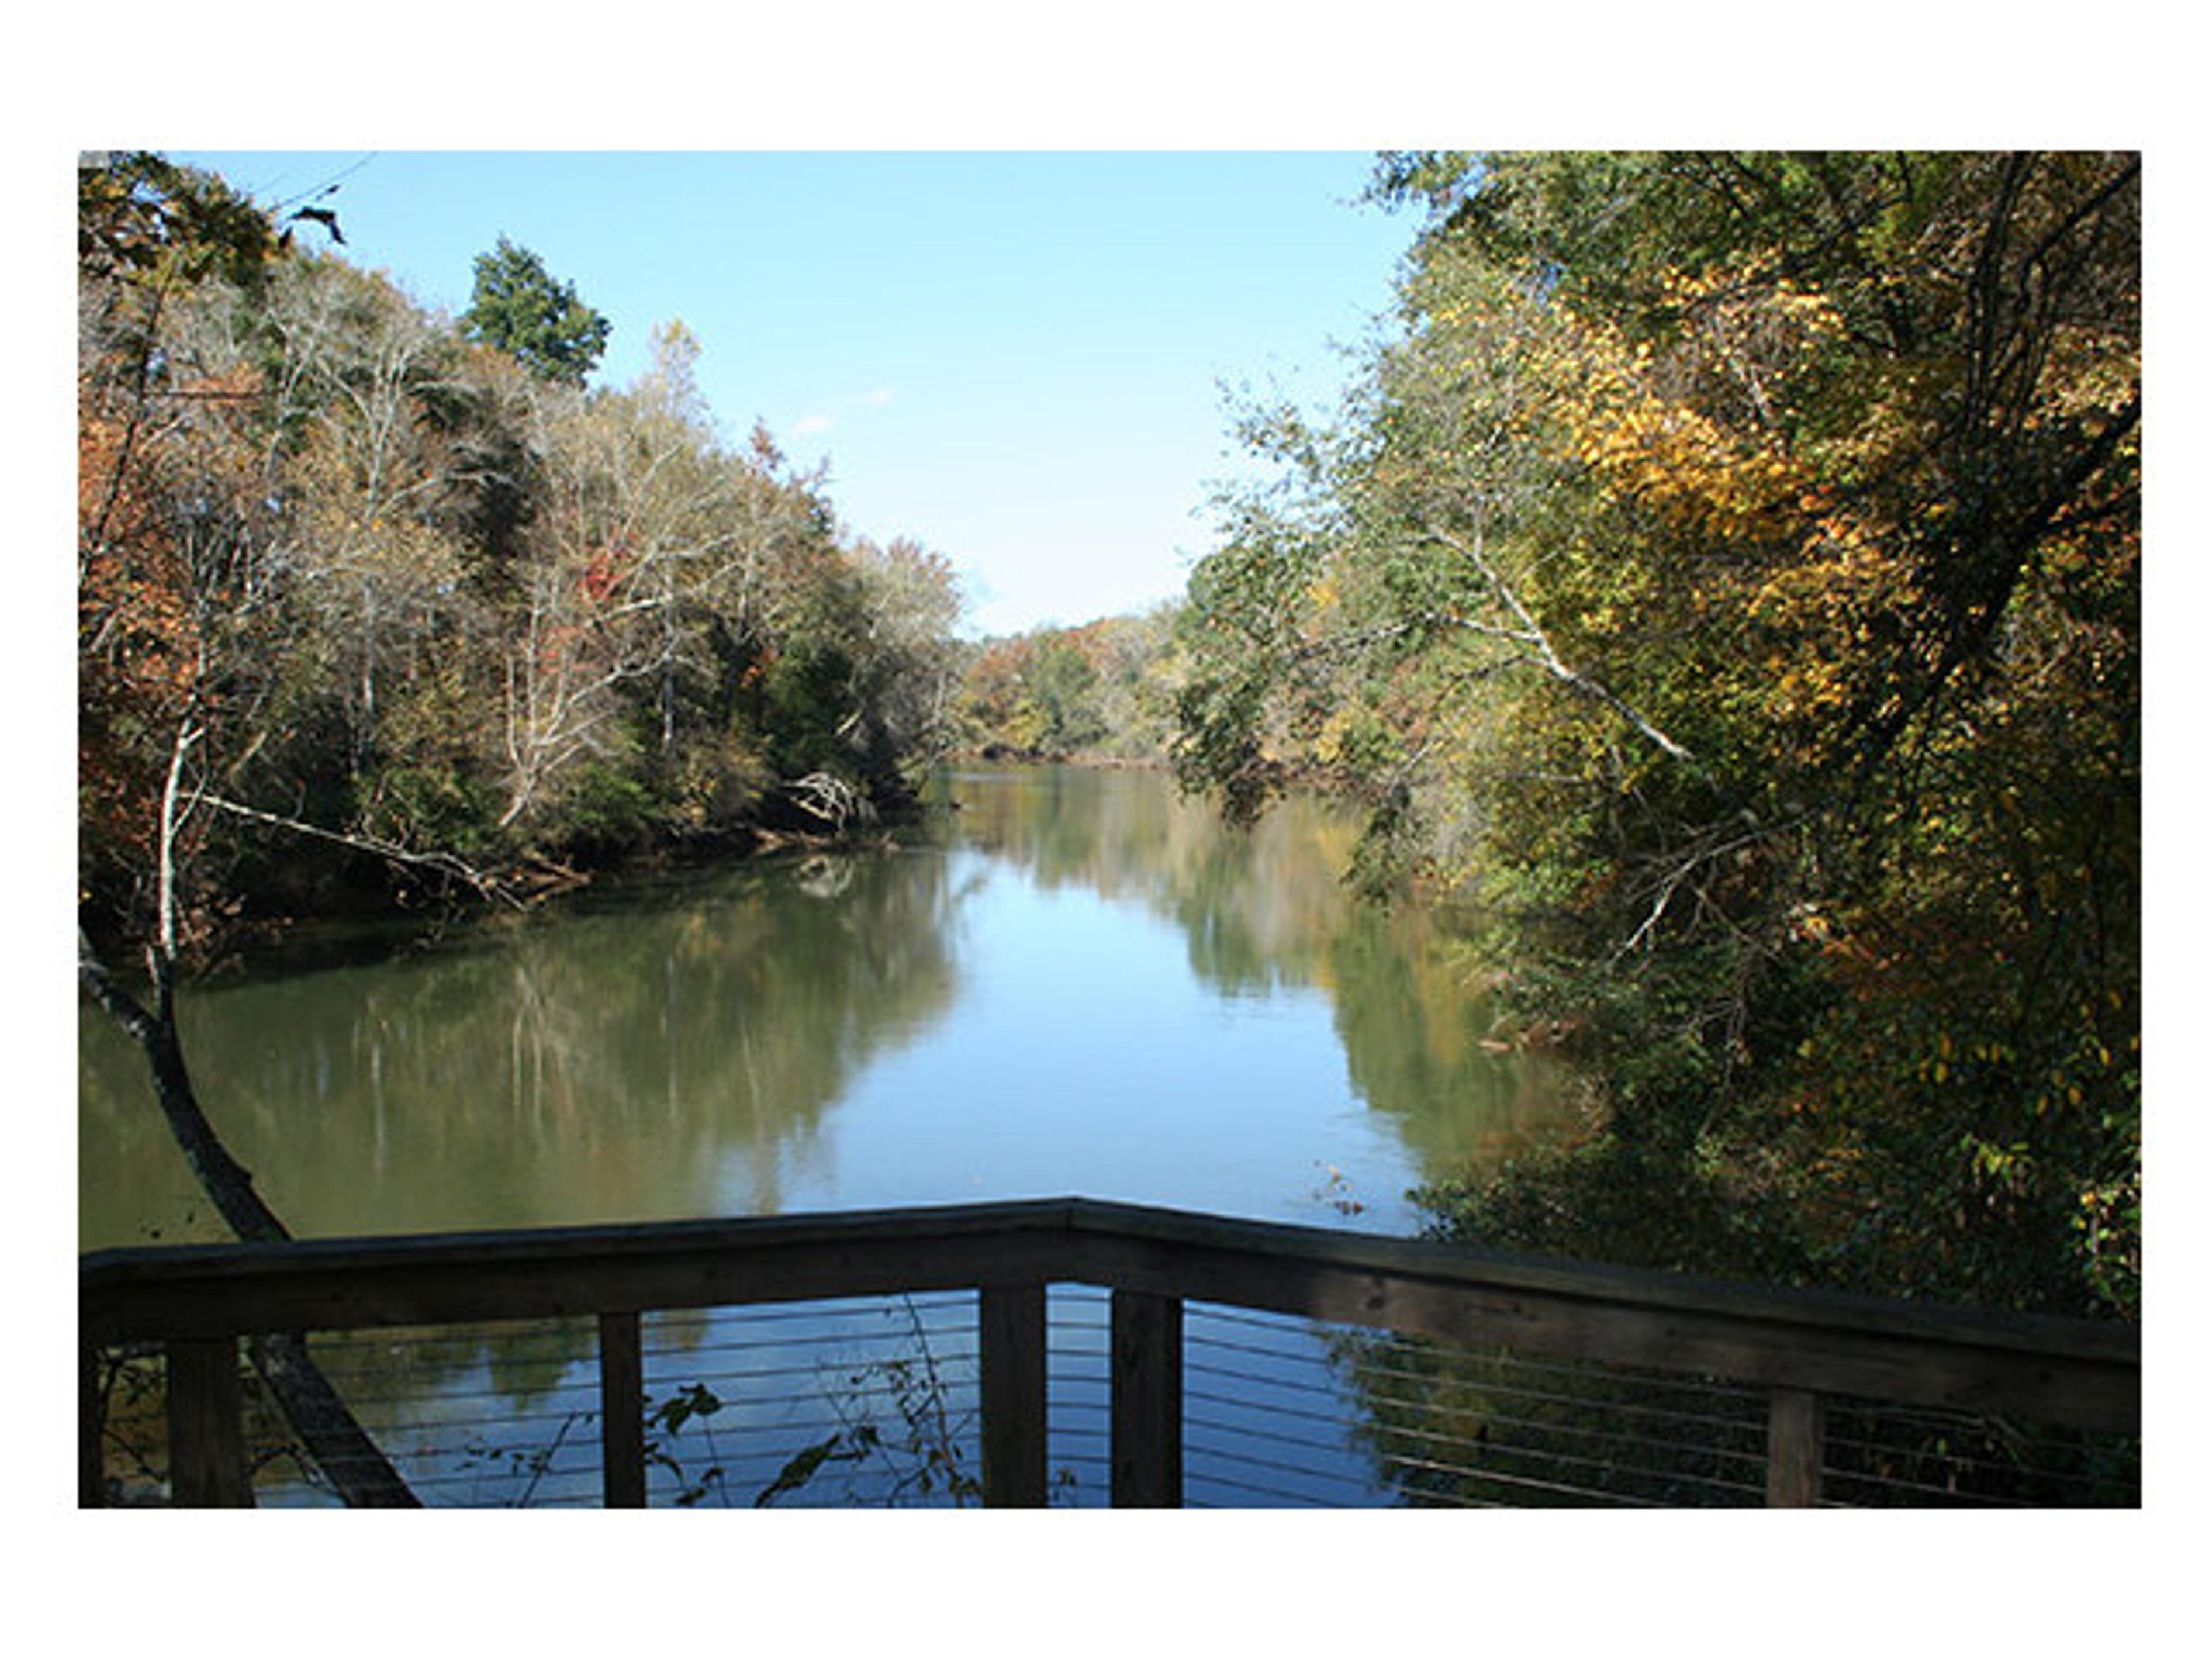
[[91, 1415], [207, 1433], [1794, 1449], [621, 1412], [1145, 1365], [1012, 1318]]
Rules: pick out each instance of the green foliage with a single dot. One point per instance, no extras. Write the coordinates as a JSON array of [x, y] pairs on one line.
[[1105, 691], [716, 784], [1727, 579], [608, 807], [805, 699], [1720, 1216], [1063, 682], [846, 1446], [140, 213], [923, 1452], [434, 807], [664, 1421], [520, 307], [920, 1453]]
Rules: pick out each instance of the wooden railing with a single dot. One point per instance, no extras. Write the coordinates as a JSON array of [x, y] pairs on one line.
[[200, 1301]]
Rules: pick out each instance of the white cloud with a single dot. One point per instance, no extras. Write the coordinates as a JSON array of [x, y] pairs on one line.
[[818, 420]]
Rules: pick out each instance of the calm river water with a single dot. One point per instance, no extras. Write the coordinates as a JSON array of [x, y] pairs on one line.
[[1077, 983], [1085, 986]]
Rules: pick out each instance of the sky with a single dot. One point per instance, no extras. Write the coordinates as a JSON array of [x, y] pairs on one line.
[[1019, 359]]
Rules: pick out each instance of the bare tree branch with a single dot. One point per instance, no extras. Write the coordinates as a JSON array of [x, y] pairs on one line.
[[334, 1438], [443, 863], [1547, 657]]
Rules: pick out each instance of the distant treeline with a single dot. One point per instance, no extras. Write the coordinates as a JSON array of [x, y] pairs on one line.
[[1104, 691]]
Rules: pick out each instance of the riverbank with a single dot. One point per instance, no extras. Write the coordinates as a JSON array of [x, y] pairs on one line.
[[999, 754], [295, 888]]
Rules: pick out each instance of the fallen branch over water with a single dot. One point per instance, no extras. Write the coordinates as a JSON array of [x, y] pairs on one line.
[[359, 1472]]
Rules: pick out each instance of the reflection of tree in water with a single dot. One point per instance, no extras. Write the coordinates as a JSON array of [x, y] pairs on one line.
[[1101, 830], [1414, 1019], [1258, 906], [521, 1362], [1265, 909], [135, 1187], [1486, 1427], [608, 1066]]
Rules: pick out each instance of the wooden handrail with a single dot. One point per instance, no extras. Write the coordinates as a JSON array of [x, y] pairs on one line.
[[1802, 1344]]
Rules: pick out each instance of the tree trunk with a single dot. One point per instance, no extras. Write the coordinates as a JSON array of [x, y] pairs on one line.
[[362, 1475]]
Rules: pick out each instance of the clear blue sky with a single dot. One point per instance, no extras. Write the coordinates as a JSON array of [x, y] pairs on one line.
[[1016, 358]]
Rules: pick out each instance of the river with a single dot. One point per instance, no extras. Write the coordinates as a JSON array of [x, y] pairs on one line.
[[1070, 982]]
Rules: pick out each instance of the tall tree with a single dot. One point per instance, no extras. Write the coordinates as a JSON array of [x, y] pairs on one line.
[[174, 591], [521, 308]]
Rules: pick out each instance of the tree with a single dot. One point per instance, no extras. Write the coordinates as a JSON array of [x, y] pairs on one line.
[[1064, 685], [174, 590], [1104, 689], [519, 307], [1682, 584]]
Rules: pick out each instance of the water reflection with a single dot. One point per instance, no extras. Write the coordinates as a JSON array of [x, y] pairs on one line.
[[1265, 910], [672, 1056], [1090, 986]]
